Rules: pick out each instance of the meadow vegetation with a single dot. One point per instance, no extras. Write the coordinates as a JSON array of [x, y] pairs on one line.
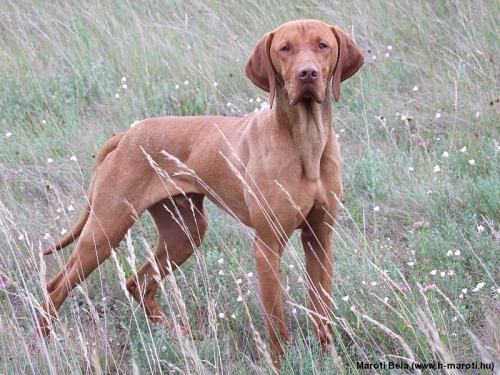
[[417, 271]]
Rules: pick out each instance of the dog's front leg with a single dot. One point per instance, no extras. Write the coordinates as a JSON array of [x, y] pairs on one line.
[[317, 242], [267, 257]]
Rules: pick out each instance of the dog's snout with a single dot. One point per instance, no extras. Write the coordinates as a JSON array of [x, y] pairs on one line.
[[308, 73]]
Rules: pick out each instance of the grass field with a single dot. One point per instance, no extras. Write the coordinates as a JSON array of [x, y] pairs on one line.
[[417, 272]]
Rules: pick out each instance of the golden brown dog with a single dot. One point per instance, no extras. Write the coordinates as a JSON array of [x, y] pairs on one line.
[[276, 170]]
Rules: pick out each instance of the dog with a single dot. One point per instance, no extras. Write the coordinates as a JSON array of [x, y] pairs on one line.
[[275, 170]]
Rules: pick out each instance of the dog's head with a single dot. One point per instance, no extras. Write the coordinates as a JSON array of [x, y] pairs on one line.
[[303, 56]]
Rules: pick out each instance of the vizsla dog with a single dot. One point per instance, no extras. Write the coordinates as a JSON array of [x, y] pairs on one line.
[[276, 170]]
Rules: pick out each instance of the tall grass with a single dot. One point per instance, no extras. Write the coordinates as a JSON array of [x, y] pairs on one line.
[[417, 271]]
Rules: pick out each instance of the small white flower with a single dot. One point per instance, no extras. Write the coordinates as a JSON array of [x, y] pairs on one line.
[[472, 162], [498, 290], [433, 272], [20, 238], [44, 122], [345, 299], [353, 308], [449, 253], [445, 154], [215, 84], [71, 208], [480, 286], [221, 273], [437, 168], [229, 104], [443, 274], [411, 264], [117, 95], [376, 209], [124, 79], [177, 87], [64, 231], [387, 54], [300, 280], [46, 236], [386, 299], [411, 169], [222, 316], [291, 266], [389, 48], [163, 348], [124, 87], [239, 299], [220, 261], [451, 273], [239, 281], [438, 115], [251, 100], [403, 118], [50, 160], [8, 134], [294, 311], [464, 291], [478, 114], [186, 82], [457, 253], [233, 316], [374, 57], [461, 296], [463, 149], [454, 319], [415, 88], [250, 275], [73, 158], [373, 283], [480, 228], [257, 100], [287, 288]]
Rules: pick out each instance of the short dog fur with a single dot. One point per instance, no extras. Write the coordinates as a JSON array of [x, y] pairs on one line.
[[276, 170]]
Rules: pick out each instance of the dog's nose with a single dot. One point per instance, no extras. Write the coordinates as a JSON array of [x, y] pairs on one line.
[[308, 73]]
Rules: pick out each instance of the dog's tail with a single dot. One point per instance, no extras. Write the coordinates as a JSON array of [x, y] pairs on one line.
[[77, 229]]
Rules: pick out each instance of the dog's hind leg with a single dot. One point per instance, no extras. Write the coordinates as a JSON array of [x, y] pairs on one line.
[[94, 246], [181, 224]]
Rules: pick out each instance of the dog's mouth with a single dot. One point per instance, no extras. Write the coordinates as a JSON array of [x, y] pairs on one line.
[[307, 94]]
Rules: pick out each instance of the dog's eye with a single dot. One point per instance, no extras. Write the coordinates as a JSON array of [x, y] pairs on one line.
[[322, 46], [286, 49]]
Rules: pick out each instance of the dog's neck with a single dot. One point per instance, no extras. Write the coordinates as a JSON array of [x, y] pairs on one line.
[[310, 125]]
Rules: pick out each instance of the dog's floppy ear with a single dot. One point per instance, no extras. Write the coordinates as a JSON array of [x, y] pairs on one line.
[[350, 59], [259, 68]]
